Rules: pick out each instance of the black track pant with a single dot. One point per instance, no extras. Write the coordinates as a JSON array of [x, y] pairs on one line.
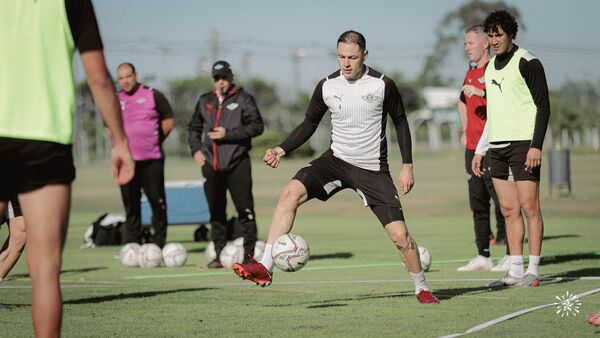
[[239, 183], [481, 190], [150, 176]]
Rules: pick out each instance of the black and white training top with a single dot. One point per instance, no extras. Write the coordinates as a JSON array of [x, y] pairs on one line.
[[359, 111]]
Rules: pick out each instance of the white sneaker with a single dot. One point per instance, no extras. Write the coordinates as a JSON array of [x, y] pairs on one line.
[[502, 265], [477, 263], [507, 281]]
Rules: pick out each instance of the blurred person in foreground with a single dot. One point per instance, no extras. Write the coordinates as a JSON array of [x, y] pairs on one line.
[[36, 129]]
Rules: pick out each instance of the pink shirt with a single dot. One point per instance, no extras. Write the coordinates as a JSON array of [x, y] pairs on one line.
[[141, 123]]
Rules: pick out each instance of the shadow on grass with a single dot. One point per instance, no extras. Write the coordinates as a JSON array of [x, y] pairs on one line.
[[549, 238], [12, 306], [134, 295], [344, 255], [572, 275], [62, 272], [442, 294], [558, 259], [200, 250]]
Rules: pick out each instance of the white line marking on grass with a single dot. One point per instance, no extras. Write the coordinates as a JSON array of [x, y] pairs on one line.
[[317, 268], [513, 315], [81, 286], [385, 281]]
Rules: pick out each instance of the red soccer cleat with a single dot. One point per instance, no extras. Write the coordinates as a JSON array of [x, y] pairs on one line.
[[253, 271], [593, 318], [426, 297]]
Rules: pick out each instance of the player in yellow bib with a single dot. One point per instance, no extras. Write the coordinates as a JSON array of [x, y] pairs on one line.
[[518, 109]]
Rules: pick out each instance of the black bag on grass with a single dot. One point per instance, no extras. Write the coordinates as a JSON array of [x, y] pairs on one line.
[[106, 230]]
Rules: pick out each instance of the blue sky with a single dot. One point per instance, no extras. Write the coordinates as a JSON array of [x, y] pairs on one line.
[[171, 39]]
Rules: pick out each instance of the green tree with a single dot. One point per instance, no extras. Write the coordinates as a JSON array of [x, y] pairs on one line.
[[266, 97], [449, 33], [410, 92]]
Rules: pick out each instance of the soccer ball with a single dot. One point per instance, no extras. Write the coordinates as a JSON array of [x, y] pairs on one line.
[[259, 247], [174, 254], [210, 252], [259, 250], [239, 241], [150, 256], [425, 258], [230, 255], [290, 252], [129, 254]]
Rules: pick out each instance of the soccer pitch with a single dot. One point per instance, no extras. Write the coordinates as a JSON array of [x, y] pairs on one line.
[[354, 284]]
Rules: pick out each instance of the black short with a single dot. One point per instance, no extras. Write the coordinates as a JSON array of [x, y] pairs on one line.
[[14, 208], [29, 165], [327, 175], [508, 163]]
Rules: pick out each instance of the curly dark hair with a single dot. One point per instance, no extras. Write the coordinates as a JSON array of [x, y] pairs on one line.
[[504, 19]]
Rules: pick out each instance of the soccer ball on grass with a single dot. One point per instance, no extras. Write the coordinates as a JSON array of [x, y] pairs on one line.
[[290, 252], [174, 254]]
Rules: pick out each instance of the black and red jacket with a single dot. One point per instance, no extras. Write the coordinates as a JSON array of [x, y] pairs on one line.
[[240, 117]]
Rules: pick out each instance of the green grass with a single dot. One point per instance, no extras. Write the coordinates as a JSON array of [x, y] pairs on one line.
[[353, 286]]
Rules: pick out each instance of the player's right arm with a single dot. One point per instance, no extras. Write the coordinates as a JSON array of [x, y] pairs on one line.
[[314, 113], [84, 29], [462, 115], [273, 156], [103, 91]]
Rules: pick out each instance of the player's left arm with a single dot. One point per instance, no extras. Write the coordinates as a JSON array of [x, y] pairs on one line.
[[165, 113], [392, 105], [252, 122], [533, 72]]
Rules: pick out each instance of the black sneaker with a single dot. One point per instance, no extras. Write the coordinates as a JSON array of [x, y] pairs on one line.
[[215, 264]]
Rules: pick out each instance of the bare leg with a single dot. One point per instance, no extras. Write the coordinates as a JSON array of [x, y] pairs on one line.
[[16, 242], [407, 247], [508, 196], [529, 199], [3, 251], [47, 211], [291, 197]]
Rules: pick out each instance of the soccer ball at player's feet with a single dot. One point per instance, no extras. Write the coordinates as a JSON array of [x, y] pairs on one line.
[[290, 252], [425, 256]]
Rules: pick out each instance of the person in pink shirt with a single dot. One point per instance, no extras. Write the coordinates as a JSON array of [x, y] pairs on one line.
[[148, 120]]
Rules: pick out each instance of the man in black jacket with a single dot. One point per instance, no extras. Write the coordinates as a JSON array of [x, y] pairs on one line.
[[219, 135]]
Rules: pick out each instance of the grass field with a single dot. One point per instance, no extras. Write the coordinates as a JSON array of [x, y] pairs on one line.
[[354, 284]]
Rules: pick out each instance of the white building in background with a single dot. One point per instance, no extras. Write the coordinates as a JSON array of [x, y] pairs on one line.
[[440, 112]]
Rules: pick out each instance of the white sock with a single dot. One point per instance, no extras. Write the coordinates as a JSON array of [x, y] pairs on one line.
[[516, 266], [420, 281], [267, 259], [534, 264]]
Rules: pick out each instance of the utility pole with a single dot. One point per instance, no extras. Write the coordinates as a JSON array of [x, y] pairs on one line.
[[246, 62], [297, 55], [214, 45]]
